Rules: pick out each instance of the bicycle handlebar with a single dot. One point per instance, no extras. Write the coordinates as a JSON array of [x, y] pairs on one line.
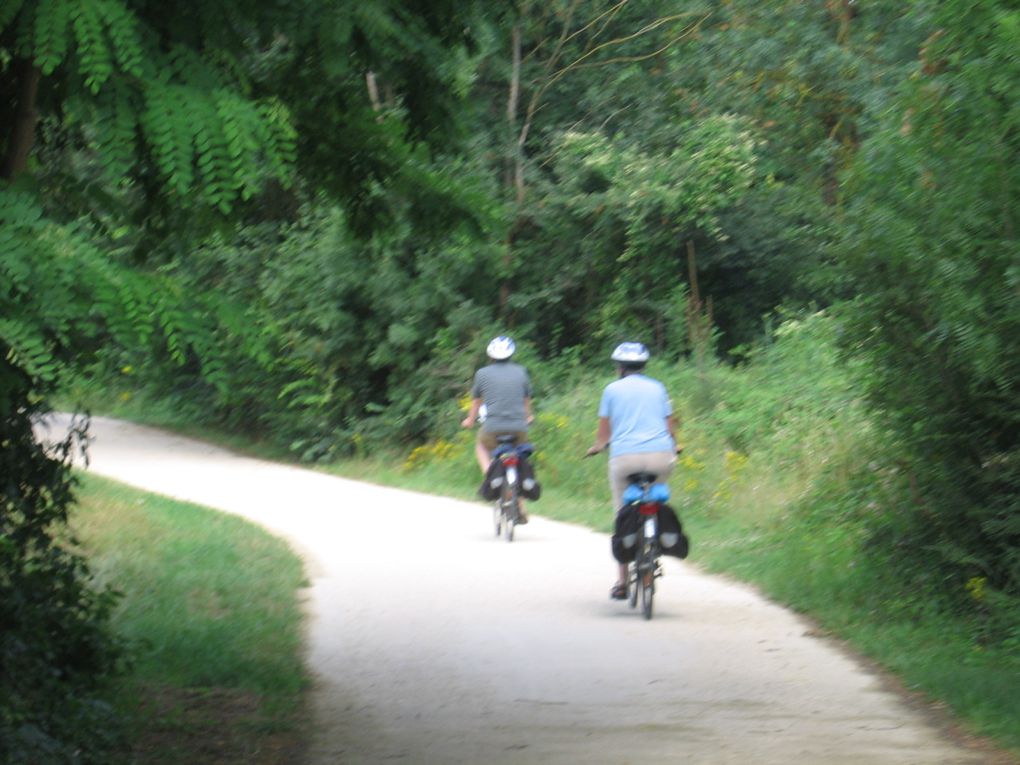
[[590, 453]]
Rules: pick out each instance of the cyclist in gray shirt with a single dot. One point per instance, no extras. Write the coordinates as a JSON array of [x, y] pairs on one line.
[[504, 388]]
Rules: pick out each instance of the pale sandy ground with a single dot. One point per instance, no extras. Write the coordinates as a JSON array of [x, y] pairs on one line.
[[433, 642]]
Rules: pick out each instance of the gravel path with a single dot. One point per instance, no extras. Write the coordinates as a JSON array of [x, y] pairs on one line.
[[433, 642]]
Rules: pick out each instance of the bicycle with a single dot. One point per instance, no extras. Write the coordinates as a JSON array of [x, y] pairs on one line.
[[507, 511], [645, 568]]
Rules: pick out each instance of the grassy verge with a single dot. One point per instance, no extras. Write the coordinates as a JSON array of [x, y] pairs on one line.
[[210, 608]]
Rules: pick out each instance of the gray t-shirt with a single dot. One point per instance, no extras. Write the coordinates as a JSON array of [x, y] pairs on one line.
[[502, 387]]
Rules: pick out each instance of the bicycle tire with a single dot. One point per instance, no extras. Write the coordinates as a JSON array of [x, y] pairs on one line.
[[633, 582], [510, 513], [648, 586], [497, 515], [634, 570]]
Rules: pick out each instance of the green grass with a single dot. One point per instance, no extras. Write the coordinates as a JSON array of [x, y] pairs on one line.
[[210, 608]]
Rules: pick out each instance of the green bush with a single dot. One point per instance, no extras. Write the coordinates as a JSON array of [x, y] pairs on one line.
[[930, 241], [57, 652]]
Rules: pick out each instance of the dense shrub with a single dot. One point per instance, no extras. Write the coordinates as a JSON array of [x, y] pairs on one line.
[[930, 241], [56, 649]]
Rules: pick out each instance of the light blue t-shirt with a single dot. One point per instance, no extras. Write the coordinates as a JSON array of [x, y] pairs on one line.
[[637, 408]]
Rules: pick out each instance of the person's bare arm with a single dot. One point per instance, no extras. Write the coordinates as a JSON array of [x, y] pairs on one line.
[[672, 425], [472, 415], [602, 436]]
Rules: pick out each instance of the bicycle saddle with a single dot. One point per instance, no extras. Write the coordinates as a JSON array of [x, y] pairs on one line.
[[642, 477]]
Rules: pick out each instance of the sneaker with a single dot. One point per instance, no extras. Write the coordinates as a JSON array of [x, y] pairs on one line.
[[522, 517], [619, 592]]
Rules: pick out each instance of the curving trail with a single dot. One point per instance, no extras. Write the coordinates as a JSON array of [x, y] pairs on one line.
[[434, 643]]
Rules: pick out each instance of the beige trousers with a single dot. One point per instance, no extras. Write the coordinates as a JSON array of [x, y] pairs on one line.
[[660, 463]]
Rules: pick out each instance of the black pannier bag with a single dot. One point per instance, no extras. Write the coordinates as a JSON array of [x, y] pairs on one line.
[[624, 540], [671, 534], [530, 487], [672, 539], [492, 484]]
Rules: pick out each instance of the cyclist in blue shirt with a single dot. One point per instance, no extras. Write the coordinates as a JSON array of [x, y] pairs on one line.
[[637, 423]]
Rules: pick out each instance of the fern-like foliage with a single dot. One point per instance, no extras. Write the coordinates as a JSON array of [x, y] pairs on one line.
[[176, 109], [101, 35], [60, 294], [30, 336], [214, 147]]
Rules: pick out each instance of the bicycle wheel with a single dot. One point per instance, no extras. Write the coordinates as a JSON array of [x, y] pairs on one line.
[[497, 517], [633, 582], [648, 587], [509, 505]]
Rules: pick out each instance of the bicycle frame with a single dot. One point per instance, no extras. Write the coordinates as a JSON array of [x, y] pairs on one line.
[[507, 510], [645, 568]]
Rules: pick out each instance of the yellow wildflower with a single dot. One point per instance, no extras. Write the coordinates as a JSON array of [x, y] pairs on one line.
[[976, 587]]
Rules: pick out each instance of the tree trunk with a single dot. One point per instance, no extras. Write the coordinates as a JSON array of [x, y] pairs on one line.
[[839, 124], [512, 101], [842, 13], [373, 90], [22, 135], [699, 314], [514, 169]]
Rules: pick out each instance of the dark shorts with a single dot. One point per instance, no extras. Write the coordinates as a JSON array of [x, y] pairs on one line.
[[488, 440]]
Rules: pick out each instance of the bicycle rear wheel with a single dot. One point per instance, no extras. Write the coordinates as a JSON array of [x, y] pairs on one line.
[[633, 583], [642, 574], [510, 513], [648, 588]]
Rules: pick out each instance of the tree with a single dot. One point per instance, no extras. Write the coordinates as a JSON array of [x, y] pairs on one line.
[[148, 103], [931, 243], [128, 133], [554, 52], [56, 649]]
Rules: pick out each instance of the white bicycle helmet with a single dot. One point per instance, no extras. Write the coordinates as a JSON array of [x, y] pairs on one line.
[[631, 353], [500, 348]]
